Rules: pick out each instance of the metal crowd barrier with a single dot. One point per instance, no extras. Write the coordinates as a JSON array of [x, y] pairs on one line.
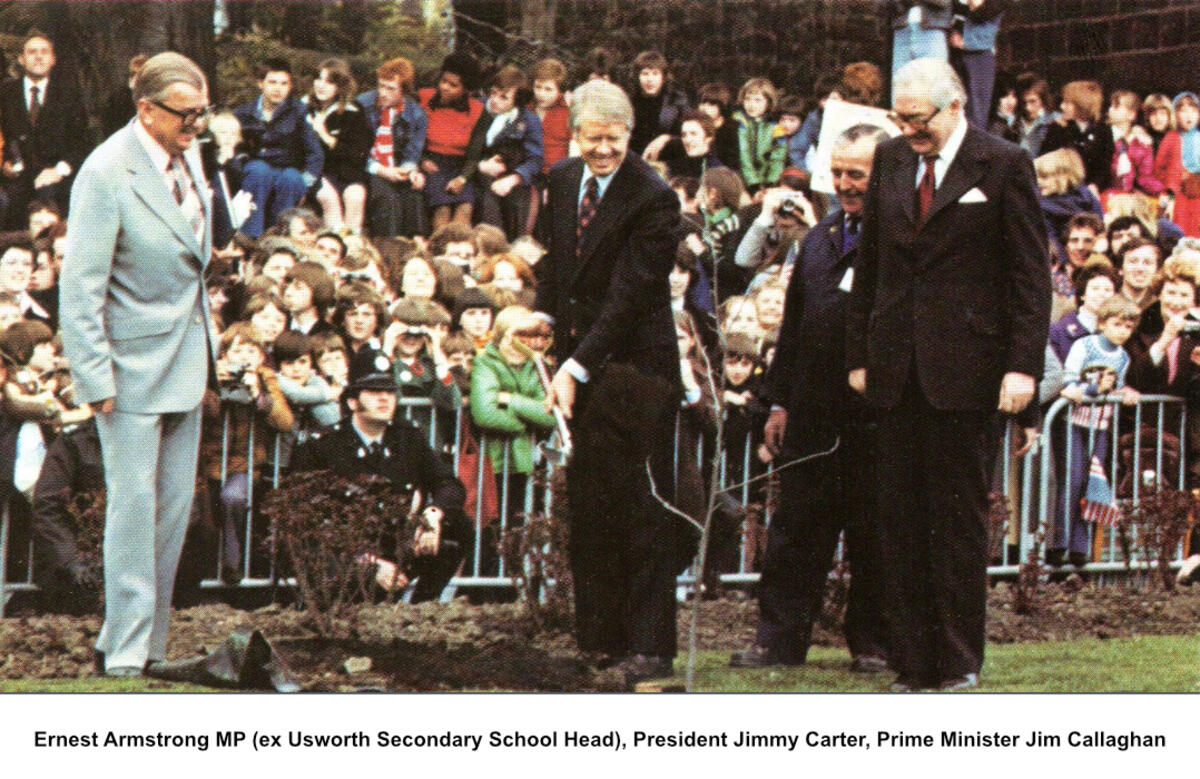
[[1029, 484]]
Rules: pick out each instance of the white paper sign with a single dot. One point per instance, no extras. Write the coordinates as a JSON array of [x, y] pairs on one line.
[[838, 117]]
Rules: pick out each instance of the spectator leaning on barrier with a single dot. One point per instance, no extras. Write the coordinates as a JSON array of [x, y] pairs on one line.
[[508, 406], [249, 395], [1095, 368]]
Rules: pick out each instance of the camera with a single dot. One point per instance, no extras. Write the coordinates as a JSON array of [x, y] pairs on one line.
[[232, 389]]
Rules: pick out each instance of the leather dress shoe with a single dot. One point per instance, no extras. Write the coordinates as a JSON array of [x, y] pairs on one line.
[[905, 684], [964, 682], [638, 668], [869, 664], [606, 661], [756, 656]]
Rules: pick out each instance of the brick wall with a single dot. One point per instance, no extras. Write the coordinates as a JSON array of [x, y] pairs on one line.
[[1141, 44], [1144, 45]]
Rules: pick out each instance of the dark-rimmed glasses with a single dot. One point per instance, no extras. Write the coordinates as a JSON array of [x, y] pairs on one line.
[[909, 120], [192, 117]]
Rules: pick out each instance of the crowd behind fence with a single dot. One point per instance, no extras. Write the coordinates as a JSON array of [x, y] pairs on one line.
[[1029, 490]]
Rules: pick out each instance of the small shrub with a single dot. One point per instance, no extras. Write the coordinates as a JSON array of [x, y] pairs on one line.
[[1155, 527], [324, 524]]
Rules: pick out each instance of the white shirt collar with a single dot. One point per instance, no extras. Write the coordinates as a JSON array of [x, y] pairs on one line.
[[602, 182], [158, 155], [39, 83], [947, 154], [366, 439], [950, 149]]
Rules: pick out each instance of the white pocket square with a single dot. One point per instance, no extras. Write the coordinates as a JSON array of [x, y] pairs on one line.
[[973, 195]]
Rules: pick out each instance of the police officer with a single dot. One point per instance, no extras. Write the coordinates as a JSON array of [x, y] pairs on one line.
[[370, 442]]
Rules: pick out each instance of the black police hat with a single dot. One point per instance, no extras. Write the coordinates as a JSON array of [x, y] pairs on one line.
[[378, 381]]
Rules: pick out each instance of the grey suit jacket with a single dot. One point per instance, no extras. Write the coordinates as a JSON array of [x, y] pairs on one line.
[[134, 309]]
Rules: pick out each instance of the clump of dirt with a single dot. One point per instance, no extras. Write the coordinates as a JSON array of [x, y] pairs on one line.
[[460, 646]]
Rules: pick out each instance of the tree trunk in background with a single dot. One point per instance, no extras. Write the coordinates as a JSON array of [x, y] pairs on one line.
[[537, 20], [95, 41]]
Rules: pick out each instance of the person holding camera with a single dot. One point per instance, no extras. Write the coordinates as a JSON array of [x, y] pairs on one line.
[[372, 441], [773, 238], [248, 403]]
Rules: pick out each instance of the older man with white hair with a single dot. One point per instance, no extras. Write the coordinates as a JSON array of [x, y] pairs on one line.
[[135, 325], [947, 325], [610, 227]]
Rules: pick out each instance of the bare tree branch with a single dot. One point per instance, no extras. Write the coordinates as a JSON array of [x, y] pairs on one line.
[[837, 442], [665, 504]]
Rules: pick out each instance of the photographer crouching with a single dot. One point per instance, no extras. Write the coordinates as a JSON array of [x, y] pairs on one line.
[[369, 442]]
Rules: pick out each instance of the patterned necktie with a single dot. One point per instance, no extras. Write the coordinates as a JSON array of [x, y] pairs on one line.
[[35, 104], [925, 190], [587, 210], [185, 196]]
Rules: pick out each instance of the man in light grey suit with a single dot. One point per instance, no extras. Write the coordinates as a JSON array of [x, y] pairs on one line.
[[135, 328]]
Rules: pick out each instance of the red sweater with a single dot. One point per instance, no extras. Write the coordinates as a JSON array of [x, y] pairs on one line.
[[449, 130], [556, 133]]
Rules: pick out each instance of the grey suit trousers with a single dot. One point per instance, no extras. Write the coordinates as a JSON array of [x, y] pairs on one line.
[[150, 471]]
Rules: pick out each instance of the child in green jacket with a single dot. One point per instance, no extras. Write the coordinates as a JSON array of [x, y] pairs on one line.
[[760, 154]]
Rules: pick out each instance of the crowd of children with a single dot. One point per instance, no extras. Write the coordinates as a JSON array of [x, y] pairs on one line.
[[324, 297]]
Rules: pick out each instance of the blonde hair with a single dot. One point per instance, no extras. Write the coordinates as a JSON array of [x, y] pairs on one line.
[[764, 86], [1157, 101], [1130, 204], [508, 318], [1062, 167], [225, 120], [1086, 96], [1119, 307]]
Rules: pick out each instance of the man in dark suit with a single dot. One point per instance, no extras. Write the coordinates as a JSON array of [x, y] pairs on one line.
[[947, 323], [812, 409], [611, 227], [44, 128]]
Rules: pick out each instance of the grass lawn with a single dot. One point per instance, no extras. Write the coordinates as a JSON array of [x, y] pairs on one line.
[[1139, 664], [96, 684]]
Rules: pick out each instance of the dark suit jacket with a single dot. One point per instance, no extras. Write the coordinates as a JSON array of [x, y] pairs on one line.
[[966, 297], [287, 141], [808, 375], [611, 301], [61, 133]]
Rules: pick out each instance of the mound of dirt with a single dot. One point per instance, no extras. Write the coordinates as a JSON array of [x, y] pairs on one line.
[[460, 646]]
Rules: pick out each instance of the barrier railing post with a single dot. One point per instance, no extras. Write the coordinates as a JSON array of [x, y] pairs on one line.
[[5, 517], [481, 449], [503, 506], [249, 499]]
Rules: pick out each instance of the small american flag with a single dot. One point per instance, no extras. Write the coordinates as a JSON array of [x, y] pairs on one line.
[[1098, 504]]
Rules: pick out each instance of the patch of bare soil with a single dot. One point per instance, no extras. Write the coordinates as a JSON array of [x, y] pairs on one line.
[[459, 646]]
